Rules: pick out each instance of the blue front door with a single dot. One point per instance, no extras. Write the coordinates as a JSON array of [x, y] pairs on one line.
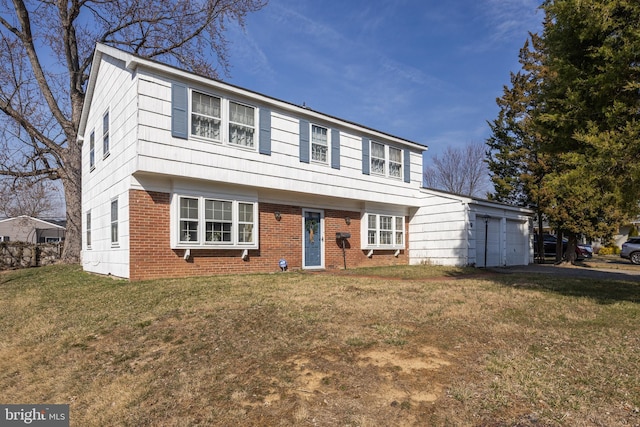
[[312, 244]]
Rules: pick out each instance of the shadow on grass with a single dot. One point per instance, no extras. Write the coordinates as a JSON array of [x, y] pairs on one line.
[[605, 287]]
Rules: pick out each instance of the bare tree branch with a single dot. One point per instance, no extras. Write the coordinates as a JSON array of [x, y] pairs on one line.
[[40, 105], [460, 171]]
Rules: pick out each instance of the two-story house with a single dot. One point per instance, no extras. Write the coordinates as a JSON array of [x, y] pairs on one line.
[[185, 175]]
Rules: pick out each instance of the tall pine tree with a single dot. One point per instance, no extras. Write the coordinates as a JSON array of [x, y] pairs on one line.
[[581, 116], [589, 115]]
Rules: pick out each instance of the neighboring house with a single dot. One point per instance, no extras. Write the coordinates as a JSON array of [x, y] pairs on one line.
[[31, 230], [184, 175]]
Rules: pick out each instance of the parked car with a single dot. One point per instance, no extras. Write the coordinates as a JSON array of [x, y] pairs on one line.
[[582, 251], [631, 250]]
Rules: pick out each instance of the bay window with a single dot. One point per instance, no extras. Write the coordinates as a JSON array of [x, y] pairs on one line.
[[384, 231], [216, 223]]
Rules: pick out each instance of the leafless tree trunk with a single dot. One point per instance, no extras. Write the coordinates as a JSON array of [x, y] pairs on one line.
[[460, 171], [46, 50]]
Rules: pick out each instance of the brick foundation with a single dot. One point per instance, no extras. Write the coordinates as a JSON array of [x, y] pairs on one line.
[[151, 255]]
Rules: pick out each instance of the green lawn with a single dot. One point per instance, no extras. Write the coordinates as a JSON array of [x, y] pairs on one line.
[[416, 345]]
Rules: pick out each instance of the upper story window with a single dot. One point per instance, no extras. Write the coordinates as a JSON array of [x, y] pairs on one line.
[[378, 163], [218, 119], [395, 162], [92, 150], [319, 144], [386, 160], [206, 116], [242, 119], [105, 134], [210, 222], [385, 231]]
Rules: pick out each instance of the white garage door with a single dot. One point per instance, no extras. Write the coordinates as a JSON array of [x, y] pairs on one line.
[[517, 247], [488, 242]]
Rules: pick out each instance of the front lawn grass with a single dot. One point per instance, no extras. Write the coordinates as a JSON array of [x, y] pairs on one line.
[[389, 346]]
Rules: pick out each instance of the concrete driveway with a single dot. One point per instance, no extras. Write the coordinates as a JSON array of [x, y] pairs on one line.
[[608, 268]]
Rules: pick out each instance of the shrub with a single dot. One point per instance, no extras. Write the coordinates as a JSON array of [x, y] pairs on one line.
[[609, 250]]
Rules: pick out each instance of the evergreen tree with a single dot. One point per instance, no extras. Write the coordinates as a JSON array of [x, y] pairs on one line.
[[513, 147], [588, 115], [567, 139]]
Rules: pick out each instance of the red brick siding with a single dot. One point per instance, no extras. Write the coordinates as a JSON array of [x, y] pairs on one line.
[[152, 257]]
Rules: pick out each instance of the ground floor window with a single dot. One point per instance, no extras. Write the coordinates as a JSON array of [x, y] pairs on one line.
[[385, 231], [212, 222]]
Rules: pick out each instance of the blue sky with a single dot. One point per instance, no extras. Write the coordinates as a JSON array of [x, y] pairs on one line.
[[425, 70]]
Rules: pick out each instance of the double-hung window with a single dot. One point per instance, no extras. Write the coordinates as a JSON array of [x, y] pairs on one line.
[[242, 127], [319, 144], [88, 230], [92, 150], [378, 162], [245, 222], [386, 160], [221, 120], [206, 116], [384, 231], [114, 222], [211, 222], [189, 221], [105, 134], [395, 162]]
